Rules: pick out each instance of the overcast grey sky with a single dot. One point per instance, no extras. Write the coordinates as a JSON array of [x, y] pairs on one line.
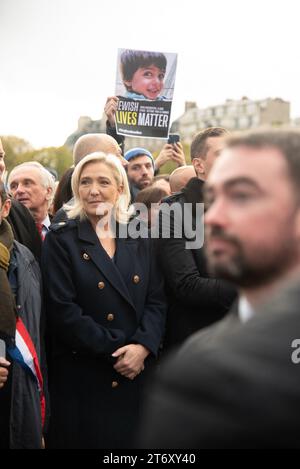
[[58, 57]]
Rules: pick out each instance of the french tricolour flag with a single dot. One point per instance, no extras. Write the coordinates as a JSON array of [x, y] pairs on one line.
[[25, 354]]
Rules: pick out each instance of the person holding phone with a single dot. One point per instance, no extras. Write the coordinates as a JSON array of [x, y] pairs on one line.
[[173, 138], [171, 151]]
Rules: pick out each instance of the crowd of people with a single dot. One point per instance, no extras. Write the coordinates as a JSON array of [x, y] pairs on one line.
[[119, 328]]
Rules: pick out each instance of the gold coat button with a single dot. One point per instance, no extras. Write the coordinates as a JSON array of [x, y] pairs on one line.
[[136, 279], [85, 256], [110, 317], [114, 384], [101, 285]]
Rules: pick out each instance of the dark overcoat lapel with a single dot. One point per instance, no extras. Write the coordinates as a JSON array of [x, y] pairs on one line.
[[116, 275]]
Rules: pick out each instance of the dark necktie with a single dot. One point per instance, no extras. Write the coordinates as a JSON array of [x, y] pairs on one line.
[[40, 230]]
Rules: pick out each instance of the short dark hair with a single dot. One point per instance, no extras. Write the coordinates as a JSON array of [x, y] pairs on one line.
[[3, 193], [150, 195], [131, 60], [165, 177], [285, 141], [199, 147], [63, 191]]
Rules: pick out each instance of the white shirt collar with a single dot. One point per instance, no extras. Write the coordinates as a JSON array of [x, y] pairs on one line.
[[245, 310], [46, 222]]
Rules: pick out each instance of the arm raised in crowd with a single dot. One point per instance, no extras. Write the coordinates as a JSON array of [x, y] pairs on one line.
[[170, 152], [110, 109]]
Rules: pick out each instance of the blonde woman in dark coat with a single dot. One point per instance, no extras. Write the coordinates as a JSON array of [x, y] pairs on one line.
[[106, 311]]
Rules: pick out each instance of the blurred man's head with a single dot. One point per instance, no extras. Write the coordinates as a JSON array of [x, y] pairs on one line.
[[2, 163], [5, 202], [162, 181], [206, 146], [253, 216], [180, 177], [91, 143], [32, 185], [140, 168], [150, 198]]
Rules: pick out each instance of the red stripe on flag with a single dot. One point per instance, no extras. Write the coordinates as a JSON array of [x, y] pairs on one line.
[[27, 339]]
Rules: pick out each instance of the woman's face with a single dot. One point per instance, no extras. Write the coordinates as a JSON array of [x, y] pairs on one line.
[[148, 81], [98, 189]]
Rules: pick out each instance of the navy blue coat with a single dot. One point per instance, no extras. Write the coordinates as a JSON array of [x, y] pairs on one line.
[[94, 306]]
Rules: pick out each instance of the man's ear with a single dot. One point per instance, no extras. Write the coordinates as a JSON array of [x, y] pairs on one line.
[[49, 193], [6, 208], [199, 167]]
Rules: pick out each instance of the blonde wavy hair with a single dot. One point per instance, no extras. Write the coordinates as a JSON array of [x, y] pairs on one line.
[[122, 211]]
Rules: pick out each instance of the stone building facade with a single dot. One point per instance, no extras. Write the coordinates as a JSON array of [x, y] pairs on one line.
[[233, 115]]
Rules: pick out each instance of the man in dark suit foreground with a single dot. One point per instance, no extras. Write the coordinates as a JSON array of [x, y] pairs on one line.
[[236, 384]]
